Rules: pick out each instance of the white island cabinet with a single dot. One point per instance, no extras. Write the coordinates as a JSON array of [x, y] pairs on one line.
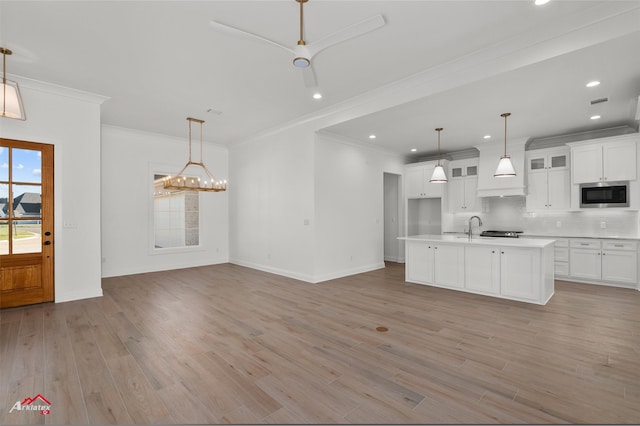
[[510, 268]]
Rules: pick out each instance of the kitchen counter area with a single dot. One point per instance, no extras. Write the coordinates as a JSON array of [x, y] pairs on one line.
[[511, 268], [476, 239], [584, 235]]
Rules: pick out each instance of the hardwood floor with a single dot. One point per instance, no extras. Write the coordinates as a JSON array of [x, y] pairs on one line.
[[227, 344]]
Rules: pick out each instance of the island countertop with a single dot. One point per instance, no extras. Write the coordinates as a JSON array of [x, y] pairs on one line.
[[478, 240]]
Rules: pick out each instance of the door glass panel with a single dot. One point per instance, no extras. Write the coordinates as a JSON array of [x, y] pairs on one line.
[[537, 163], [27, 165], [4, 237], [4, 163], [27, 236], [4, 200], [472, 170], [456, 172], [559, 161], [27, 201]]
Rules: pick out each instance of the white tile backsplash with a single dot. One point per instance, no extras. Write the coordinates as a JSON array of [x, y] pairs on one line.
[[509, 213]]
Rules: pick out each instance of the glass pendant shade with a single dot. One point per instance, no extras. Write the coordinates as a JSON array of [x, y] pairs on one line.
[[438, 175], [505, 167], [10, 99]]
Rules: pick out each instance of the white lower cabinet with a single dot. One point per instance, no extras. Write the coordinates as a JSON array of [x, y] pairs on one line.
[[449, 265], [520, 273], [435, 264], [482, 269], [419, 263], [561, 258], [512, 272], [609, 262]]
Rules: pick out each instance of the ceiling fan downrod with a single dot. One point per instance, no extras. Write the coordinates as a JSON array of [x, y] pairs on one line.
[[301, 61]]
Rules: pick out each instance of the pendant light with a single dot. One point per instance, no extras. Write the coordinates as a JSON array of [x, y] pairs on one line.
[[505, 167], [180, 182], [11, 100], [438, 175]]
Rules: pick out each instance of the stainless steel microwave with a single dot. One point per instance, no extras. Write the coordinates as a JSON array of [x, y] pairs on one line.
[[604, 194]]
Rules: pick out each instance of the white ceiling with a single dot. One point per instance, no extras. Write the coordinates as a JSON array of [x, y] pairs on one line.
[[160, 61]]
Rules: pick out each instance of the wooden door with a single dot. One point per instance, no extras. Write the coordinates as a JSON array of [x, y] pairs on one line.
[[26, 223]]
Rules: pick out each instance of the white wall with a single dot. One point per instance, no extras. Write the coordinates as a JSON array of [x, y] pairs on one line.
[[70, 120], [349, 202], [129, 159], [272, 204]]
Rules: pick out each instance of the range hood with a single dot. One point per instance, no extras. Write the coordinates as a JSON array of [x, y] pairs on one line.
[[490, 153]]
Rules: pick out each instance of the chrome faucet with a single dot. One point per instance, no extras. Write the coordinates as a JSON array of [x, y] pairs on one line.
[[471, 223]]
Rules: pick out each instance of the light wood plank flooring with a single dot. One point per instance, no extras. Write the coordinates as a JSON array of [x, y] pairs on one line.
[[227, 344]]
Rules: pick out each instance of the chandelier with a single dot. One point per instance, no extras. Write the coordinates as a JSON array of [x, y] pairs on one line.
[[183, 182]]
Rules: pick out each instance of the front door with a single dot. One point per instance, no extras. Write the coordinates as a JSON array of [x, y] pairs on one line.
[[26, 223]]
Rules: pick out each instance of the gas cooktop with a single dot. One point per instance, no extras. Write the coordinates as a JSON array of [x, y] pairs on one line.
[[502, 234]]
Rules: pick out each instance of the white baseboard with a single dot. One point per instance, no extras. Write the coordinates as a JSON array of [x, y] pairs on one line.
[[61, 296], [163, 267], [272, 270], [347, 272], [308, 278]]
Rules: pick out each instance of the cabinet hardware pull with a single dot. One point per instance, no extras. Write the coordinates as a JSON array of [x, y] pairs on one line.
[[618, 245], [584, 244]]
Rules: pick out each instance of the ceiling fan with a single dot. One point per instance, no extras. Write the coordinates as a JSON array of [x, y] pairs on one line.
[[303, 52]]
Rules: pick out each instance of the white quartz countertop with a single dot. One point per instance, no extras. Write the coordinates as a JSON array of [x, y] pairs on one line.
[[478, 240], [561, 235]]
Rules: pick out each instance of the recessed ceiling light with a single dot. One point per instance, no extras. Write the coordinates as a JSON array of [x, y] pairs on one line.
[[317, 95], [487, 136], [541, 2], [593, 83], [595, 117], [413, 149], [372, 136]]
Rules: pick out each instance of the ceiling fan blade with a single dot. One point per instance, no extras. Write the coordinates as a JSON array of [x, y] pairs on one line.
[[347, 33], [238, 32], [309, 77]]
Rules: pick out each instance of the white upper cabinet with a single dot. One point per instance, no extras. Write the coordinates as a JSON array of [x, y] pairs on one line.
[[462, 186], [548, 179], [417, 183], [604, 160]]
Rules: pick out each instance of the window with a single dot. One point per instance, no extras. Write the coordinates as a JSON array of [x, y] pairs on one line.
[[20, 200], [176, 216]]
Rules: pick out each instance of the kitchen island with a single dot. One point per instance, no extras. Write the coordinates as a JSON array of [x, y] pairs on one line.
[[510, 268]]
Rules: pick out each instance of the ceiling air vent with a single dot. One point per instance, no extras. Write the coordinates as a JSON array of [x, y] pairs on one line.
[[599, 101]]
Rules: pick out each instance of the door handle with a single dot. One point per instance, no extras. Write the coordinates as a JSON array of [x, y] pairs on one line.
[[47, 233], [47, 243]]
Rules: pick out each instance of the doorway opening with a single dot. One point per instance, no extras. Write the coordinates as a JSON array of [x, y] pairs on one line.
[[393, 248]]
